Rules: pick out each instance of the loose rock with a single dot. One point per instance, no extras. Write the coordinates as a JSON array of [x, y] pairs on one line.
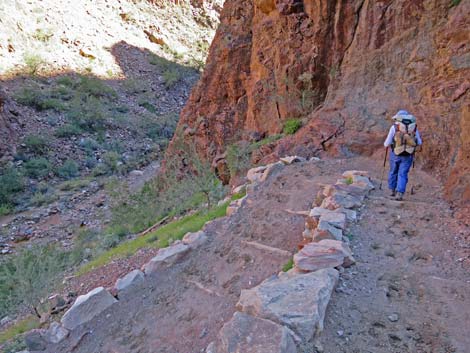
[[86, 307], [248, 334], [324, 254], [128, 281], [297, 301], [166, 257]]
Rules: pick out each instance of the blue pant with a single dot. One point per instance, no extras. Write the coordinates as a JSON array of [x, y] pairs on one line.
[[399, 168]]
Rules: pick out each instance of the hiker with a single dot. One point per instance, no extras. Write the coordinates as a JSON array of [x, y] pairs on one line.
[[404, 138]]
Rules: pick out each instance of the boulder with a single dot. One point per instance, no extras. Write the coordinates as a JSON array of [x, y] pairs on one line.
[[128, 281], [336, 201], [336, 219], [166, 257], [35, 341], [56, 333], [297, 301], [195, 240], [344, 188], [86, 307], [324, 254], [362, 182], [328, 228], [248, 334], [272, 169], [351, 215], [254, 174], [292, 159]]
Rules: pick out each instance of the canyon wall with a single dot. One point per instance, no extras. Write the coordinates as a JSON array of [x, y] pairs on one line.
[[345, 67]]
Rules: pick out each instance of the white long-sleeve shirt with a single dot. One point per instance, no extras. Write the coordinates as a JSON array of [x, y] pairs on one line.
[[391, 135]]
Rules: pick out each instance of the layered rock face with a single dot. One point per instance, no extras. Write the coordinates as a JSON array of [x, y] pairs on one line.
[[346, 67]]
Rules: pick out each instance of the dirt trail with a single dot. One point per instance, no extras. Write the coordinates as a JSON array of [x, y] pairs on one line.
[[409, 291], [181, 309]]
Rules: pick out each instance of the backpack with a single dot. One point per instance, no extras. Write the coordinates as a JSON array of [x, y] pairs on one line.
[[404, 141]]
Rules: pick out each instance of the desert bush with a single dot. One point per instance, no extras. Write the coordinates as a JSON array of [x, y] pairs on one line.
[[37, 168], [68, 170], [291, 126], [29, 277], [68, 130], [95, 87], [111, 160], [238, 157], [66, 81], [87, 112], [33, 63], [39, 98], [36, 144], [171, 76], [11, 183], [40, 198]]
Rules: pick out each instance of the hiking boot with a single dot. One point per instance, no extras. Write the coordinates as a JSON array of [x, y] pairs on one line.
[[393, 193], [399, 196]]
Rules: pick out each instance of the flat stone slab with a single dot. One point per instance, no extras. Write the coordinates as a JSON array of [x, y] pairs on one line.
[[331, 232], [297, 301], [128, 281], [336, 201], [195, 240], [166, 257], [362, 182], [86, 307], [248, 334], [336, 219], [324, 254]]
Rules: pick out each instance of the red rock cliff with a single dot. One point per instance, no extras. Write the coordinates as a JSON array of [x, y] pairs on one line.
[[345, 65]]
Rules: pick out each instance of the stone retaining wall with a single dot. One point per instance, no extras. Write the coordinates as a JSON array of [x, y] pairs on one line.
[[284, 312]]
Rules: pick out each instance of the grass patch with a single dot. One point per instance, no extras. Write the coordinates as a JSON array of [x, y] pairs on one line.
[[158, 239], [20, 327], [348, 180], [289, 265], [74, 184]]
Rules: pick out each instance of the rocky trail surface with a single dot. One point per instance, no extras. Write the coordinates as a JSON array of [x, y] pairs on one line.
[[408, 291]]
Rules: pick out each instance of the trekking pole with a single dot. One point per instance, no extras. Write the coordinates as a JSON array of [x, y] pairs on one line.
[[412, 192], [383, 170]]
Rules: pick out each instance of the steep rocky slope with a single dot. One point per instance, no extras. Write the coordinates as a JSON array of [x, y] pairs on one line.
[[345, 67]]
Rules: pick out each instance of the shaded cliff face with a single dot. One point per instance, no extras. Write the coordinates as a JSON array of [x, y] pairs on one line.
[[347, 66]]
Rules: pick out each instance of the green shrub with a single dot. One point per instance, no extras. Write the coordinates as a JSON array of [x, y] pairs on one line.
[[68, 170], [238, 158], [36, 144], [87, 112], [37, 168], [38, 98], [11, 182], [68, 130], [149, 106], [95, 87], [43, 198], [111, 160], [454, 3], [29, 277], [291, 126], [171, 77], [66, 81], [33, 63]]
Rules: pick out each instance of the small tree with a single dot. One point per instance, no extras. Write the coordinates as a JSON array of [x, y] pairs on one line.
[[29, 277]]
